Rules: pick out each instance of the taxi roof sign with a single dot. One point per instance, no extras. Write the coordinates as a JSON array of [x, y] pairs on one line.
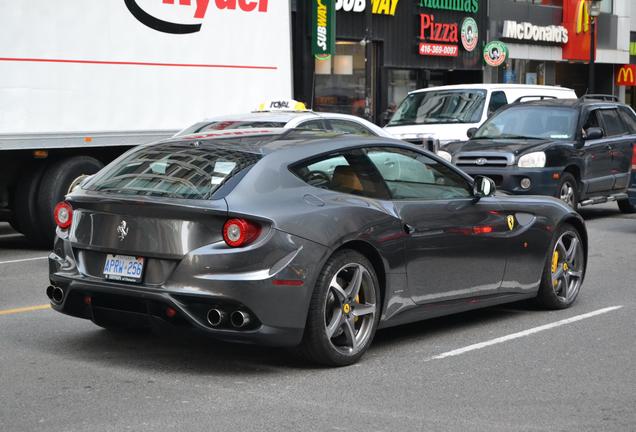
[[281, 105]]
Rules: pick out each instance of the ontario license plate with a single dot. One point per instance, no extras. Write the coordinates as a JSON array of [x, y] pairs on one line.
[[123, 268]]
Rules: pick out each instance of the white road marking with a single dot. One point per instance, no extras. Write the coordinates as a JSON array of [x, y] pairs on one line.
[[524, 333], [23, 260]]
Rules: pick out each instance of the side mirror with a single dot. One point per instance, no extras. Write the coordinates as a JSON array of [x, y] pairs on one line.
[[483, 187], [593, 133], [471, 132]]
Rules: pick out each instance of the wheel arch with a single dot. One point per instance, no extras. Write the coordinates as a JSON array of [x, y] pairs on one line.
[[575, 170], [373, 255]]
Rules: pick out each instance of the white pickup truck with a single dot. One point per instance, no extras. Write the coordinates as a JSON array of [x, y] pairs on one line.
[[81, 83]]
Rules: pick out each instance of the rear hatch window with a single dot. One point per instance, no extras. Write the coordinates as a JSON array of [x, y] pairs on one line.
[[173, 170]]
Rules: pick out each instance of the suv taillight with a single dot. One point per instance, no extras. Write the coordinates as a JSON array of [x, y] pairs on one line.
[[634, 157], [63, 215], [240, 232]]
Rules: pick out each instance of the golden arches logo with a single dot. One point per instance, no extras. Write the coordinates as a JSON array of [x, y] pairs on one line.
[[582, 17], [625, 75]]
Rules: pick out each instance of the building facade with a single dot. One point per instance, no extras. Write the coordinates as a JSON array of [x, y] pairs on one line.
[[549, 42], [386, 48]]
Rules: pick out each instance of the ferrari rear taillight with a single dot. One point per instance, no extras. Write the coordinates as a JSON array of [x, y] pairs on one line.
[[63, 215], [239, 232]]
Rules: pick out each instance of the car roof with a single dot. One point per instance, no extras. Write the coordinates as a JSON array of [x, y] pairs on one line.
[[570, 103], [494, 87], [269, 140], [273, 116]]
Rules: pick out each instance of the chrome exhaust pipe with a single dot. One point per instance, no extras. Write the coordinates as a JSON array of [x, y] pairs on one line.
[[239, 319], [216, 317], [57, 295], [49, 292]]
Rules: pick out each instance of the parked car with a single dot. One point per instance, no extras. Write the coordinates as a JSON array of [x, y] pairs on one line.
[[302, 238], [439, 115], [580, 151], [288, 115]]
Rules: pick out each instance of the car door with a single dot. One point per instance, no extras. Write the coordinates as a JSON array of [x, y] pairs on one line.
[[620, 147], [597, 176], [455, 247]]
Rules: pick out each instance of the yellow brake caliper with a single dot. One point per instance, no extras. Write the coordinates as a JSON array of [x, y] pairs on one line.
[[555, 264], [357, 299]]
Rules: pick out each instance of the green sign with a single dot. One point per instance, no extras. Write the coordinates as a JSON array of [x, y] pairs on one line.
[[468, 6], [323, 28], [632, 48], [495, 53]]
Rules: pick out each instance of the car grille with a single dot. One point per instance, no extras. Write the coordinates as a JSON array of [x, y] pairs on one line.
[[482, 160]]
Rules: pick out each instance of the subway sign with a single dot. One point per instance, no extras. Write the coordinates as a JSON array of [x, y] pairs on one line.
[[378, 7], [323, 28], [626, 75]]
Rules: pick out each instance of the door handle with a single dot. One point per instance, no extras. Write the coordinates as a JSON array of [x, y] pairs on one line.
[[408, 228]]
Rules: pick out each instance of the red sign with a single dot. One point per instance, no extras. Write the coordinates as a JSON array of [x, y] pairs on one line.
[[441, 35], [576, 19], [625, 75], [442, 50]]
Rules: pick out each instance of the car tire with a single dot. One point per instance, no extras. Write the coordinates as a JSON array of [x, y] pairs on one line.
[[25, 206], [340, 324], [56, 181], [626, 206], [564, 269], [568, 190]]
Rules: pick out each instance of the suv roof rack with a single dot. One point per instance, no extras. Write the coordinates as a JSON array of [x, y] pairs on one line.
[[535, 97], [603, 97]]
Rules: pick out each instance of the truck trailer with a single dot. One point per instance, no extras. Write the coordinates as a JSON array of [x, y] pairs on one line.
[[82, 82]]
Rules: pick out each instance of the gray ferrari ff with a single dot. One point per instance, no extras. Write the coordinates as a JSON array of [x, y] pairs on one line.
[[302, 238]]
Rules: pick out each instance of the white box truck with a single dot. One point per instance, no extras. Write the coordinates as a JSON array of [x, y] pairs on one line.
[[83, 81]]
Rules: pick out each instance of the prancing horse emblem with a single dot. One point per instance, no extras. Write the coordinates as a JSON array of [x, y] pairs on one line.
[[122, 230], [511, 222]]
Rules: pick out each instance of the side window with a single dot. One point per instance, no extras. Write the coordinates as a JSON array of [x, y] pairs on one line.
[[411, 175], [348, 172], [613, 124], [592, 121], [497, 100], [350, 127], [312, 125], [629, 118]]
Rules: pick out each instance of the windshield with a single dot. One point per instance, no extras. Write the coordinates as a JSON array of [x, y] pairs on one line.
[[534, 122], [440, 107], [172, 170], [229, 124]]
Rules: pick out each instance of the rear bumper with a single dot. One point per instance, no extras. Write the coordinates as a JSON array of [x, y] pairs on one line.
[[509, 179], [632, 190], [127, 306], [210, 277]]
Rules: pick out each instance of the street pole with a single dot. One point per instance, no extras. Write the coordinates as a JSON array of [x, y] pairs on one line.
[[368, 54], [590, 85]]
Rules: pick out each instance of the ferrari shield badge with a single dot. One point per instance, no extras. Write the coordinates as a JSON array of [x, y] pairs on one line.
[[511, 222]]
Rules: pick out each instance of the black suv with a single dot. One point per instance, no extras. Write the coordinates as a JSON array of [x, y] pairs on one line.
[[578, 150]]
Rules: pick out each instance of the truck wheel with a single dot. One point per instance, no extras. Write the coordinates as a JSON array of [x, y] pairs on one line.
[[568, 191], [56, 182], [626, 207], [26, 216]]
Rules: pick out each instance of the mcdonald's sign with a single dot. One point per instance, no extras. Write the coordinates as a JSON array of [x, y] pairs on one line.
[[576, 19], [626, 75]]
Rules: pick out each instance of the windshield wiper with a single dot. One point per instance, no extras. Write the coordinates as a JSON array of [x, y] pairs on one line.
[[508, 137]]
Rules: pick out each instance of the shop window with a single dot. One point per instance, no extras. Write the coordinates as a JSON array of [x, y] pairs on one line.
[[340, 81], [497, 100]]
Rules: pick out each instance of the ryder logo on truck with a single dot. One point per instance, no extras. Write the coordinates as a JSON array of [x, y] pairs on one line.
[[199, 9]]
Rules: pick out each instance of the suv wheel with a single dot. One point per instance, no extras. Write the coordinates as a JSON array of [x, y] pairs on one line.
[[568, 191], [626, 207]]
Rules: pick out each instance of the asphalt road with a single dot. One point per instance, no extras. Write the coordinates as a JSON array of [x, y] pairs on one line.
[[64, 374]]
